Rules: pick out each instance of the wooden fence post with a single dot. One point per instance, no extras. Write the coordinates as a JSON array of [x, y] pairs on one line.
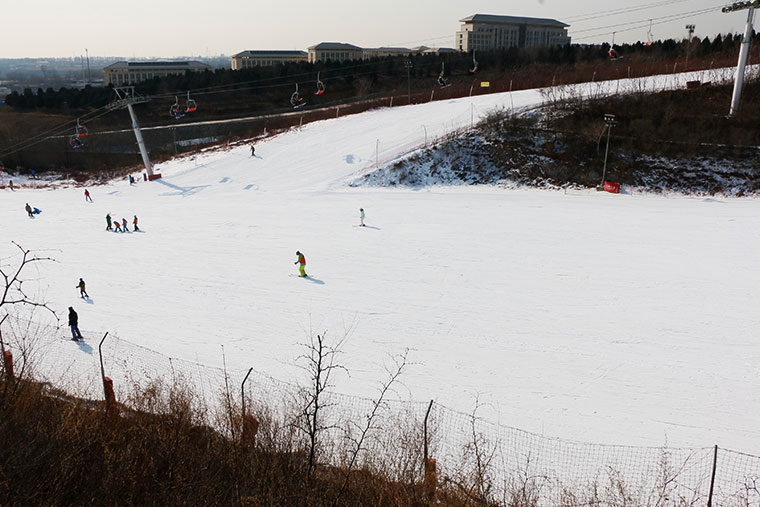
[[431, 477], [8, 362]]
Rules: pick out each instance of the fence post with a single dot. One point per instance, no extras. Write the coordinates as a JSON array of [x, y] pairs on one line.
[[432, 93], [431, 479], [108, 391], [300, 123], [250, 423], [8, 362], [712, 480], [391, 101], [337, 111], [471, 87]]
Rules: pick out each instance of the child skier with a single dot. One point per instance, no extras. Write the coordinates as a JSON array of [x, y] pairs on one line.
[[108, 221], [87, 195], [74, 325], [117, 227], [29, 210], [134, 224], [82, 293], [302, 263], [361, 216], [124, 225]]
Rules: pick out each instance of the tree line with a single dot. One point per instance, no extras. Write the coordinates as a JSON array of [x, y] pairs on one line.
[[268, 85]]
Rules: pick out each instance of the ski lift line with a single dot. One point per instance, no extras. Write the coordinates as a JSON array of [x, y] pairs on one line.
[[288, 81], [639, 27], [231, 87], [56, 132], [624, 10], [666, 18]]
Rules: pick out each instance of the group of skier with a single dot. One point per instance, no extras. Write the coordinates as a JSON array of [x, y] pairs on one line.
[[116, 226]]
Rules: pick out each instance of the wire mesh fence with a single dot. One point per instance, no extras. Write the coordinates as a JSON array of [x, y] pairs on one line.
[[473, 456]]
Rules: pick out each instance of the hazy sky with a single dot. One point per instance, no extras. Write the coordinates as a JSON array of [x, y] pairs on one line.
[[166, 28]]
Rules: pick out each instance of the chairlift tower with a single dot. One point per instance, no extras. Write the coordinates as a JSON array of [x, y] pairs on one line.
[[126, 98], [744, 52]]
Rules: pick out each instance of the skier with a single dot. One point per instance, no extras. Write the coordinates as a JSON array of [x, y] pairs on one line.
[[124, 225], [131, 180], [74, 324], [253, 151], [134, 223], [302, 263], [108, 221], [28, 210], [87, 195], [82, 293], [361, 216], [117, 227]]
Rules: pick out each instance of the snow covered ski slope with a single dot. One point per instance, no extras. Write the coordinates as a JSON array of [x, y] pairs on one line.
[[597, 317]]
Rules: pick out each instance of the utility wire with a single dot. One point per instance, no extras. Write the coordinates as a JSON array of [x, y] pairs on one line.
[[666, 18], [624, 10], [646, 24]]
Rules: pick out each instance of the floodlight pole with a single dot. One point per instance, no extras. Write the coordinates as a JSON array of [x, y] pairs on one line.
[[408, 65], [691, 29], [743, 53], [609, 119]]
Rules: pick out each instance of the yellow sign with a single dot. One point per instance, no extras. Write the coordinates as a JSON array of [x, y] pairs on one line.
[[485, 84]]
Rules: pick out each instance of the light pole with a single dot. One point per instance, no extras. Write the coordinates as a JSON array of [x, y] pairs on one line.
[[609, 119], [408, 66], [691, 29]]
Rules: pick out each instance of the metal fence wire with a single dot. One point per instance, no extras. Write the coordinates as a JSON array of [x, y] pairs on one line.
[[473, 455]]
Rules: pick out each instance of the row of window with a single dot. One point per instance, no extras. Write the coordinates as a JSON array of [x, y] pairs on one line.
[[134, 77]]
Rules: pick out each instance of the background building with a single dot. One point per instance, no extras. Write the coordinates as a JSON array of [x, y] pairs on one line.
[[125, 73], [264, 58], [383, 52], [334, 51], [485, 31]]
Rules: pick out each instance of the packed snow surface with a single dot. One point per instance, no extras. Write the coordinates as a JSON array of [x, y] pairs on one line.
[[586, 316]]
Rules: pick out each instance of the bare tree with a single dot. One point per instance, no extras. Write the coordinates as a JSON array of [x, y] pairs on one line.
[[320, 364], [357, 442], [12, 291]]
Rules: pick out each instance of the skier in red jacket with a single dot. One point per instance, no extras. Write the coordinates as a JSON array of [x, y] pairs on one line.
[[302, 263]]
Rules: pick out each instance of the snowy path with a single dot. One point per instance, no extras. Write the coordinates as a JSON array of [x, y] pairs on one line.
[[611, 319]]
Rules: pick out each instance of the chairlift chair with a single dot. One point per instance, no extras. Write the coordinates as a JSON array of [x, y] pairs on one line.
[[474, 68], [190, 106], [296, 100], [441, 79], [75, 140], [612, 53], [320, 86], [175, 111]]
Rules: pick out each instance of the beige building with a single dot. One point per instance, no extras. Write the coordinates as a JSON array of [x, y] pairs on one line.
[[368, 53], [485, 31], [126, 73], [267, 58], [334, 51]]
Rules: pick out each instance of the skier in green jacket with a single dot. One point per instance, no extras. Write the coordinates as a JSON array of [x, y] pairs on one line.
[[302, 263]]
